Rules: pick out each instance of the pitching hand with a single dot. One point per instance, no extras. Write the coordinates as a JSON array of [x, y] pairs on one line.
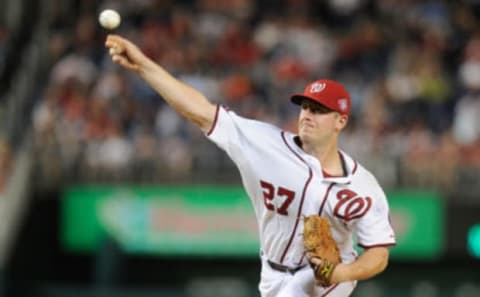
[[125, 53]]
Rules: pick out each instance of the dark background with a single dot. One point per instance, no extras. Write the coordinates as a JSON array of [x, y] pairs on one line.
[[60, 115]]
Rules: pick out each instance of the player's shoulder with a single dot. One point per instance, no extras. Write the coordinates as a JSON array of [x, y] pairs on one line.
[[362, 173], [256, 124], [364, 178]]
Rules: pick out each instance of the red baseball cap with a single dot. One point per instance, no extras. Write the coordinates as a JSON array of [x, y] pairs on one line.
[[328, 93]]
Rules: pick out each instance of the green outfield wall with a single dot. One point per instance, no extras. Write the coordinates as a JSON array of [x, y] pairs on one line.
[[215, 221]]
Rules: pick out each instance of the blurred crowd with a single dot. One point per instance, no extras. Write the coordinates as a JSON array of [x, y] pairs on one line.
[[412, 68], [6, 160], [6, 156]]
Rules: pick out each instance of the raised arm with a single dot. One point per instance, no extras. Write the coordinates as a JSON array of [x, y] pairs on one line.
[[187, 101]]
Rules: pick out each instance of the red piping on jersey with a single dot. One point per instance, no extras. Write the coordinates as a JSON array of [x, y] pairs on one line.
[[330, 290], [321, 209], [214, 121], [290, 148], [354, 167], [310, 175], [380, 244], [301, 258], [344, 169], [325, 198]]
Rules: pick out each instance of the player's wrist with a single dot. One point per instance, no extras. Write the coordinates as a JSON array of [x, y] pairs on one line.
[[340, 274], [146, 67]]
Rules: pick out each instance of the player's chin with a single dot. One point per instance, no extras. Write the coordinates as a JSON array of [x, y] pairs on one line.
[[305, 137], [305, 132]]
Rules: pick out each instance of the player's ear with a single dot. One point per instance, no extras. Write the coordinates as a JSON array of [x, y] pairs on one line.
[[342, 121]]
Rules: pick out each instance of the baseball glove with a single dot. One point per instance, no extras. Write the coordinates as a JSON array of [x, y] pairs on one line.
[[319, 243]]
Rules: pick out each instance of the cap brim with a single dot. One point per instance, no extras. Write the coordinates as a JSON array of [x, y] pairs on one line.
[[298, 98]]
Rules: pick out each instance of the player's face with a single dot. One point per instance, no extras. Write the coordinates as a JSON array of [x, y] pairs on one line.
[[318, 123]]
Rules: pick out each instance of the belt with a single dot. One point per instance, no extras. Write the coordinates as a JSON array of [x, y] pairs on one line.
[[283, 268]]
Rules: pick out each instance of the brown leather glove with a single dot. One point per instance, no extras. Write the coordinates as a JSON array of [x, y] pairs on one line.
[[319, 243]]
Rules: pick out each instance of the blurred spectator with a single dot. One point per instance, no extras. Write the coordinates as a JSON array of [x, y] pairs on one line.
[[467, 119], [115, 152], [466, 126], [6, 161], [4, 33]]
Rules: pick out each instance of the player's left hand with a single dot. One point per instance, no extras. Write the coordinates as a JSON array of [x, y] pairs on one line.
[[323, 270]]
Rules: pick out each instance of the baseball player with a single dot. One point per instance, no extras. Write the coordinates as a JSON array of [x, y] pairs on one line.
[[287, 177]]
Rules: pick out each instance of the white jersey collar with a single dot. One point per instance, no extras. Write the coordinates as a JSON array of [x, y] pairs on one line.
[[351, 165], [350, 168]]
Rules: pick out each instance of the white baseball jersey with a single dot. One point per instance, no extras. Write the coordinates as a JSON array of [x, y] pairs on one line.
[[284, 183]]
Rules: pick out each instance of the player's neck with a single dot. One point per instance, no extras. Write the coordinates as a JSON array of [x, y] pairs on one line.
[[328, 156]]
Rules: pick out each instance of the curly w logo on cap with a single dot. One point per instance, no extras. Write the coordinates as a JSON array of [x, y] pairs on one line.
[[317, 87], [328, 93]]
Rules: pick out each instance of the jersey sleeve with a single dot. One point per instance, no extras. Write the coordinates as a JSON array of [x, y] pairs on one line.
[[374, 228], [237, 135], [223, 129]]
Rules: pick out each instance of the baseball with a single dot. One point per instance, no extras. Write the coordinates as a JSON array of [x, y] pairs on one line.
[[109, 19]]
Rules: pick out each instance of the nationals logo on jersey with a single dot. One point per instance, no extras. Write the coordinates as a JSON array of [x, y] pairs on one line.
[[351, 206]]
